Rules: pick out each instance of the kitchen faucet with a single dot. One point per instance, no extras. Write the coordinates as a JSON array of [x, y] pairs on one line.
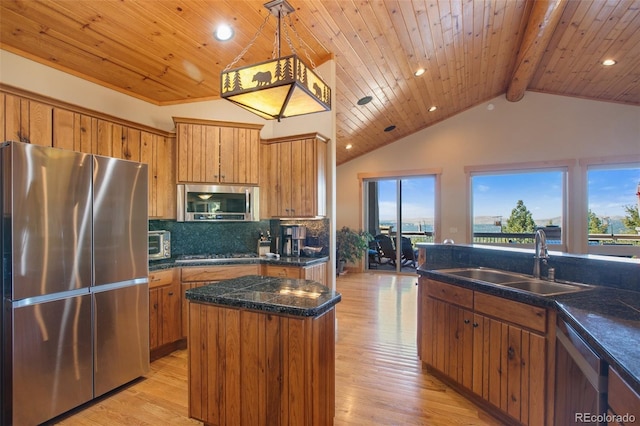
[[541, 252]]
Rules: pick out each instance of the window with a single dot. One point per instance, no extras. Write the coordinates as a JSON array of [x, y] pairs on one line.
[[399, 209], [613, 200], [508, 207]]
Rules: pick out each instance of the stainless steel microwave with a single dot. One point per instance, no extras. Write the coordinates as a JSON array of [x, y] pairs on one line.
[[159, 245], [217, 203]]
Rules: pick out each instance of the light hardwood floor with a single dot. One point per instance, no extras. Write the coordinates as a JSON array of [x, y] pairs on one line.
[[379, 379]]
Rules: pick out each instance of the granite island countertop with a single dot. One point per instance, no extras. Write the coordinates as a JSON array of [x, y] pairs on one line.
[[608, 319], [286, 296]]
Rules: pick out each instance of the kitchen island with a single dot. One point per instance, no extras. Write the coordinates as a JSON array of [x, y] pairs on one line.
[[262, 351]]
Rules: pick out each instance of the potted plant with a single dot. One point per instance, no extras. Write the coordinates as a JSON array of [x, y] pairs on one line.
[[351, 246]]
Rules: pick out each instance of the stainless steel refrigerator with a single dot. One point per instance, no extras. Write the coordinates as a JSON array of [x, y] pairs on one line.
[[75, 314]]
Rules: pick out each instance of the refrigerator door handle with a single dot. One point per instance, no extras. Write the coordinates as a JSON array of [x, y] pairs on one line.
[[28, 301], [113, 286]]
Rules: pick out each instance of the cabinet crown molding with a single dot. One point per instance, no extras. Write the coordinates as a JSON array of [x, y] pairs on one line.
[[200, 121], [315, 135]]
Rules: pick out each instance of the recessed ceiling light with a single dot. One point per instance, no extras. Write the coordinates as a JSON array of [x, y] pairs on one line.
[[608, 62], [390, 128], [419, 72], [223, 33], [365, 100], [433, 108], [349, 146]]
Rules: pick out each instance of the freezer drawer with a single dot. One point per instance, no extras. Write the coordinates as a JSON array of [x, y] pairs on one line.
[[52, 362], [121, 318]]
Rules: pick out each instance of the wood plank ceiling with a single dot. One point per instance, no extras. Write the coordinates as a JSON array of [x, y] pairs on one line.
[[472, 50]]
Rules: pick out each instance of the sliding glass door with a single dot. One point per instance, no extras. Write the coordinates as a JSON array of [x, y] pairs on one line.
[[399, 212]]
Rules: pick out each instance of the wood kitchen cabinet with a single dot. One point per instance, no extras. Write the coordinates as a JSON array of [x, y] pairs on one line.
[[164, 311], [293, 176], [196, 276], [35, 119], [217, 152], [624, 402], [494, 348], [159, 153], [25, 120], [317, 272]]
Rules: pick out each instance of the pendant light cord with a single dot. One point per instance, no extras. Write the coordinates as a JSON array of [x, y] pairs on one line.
[[276, 42], [253, 40]]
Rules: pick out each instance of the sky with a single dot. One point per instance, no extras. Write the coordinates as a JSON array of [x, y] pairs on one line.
[[417, 195], [609, 191]]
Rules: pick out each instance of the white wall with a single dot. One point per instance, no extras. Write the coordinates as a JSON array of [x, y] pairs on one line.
[[539, 128]]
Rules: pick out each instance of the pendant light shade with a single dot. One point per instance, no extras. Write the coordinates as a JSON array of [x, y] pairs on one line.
[[279, 88]]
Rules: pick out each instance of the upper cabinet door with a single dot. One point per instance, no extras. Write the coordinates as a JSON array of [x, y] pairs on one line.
[[293, 177], [215, 152]]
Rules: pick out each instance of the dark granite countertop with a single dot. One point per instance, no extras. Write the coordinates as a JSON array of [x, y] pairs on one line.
[[285, 296], [608, 319], [157, 265]]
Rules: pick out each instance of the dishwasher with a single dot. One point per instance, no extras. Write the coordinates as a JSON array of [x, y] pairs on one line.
[[581, 380]]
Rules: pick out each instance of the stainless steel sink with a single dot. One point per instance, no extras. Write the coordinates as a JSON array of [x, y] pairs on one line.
[[486, 275], [516, 281], [547, 288]]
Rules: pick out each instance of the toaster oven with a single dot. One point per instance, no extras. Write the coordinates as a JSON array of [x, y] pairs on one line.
[[159, 245]]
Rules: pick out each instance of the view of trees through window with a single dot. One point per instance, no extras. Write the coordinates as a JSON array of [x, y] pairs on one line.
[[507, 204], [613, 199], [508, 207]]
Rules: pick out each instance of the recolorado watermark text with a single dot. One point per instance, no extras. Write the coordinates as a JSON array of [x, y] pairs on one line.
[[604, 418]]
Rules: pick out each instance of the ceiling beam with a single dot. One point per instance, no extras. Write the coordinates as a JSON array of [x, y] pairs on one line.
[[544, 18]]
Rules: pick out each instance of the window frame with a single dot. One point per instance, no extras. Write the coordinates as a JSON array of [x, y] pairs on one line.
[[436, 173], [564, 166], [604, 163]]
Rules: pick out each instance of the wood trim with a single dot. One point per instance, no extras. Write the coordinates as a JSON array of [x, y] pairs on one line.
[[204, 122], [518, 167], [81, 110], [609, 161], [291, 138], [400, 173]]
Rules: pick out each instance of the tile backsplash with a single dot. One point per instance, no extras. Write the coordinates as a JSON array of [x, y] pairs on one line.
[[234, 237]]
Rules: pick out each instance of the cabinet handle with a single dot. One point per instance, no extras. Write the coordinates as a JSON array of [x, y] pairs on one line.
[[475, 324], [467, 321], [511, 353], [170, 293]]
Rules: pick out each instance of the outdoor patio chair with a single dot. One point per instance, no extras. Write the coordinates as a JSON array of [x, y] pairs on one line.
[[387, 250], [408, 256]]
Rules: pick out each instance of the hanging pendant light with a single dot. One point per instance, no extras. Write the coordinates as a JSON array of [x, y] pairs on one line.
[[279, 88]]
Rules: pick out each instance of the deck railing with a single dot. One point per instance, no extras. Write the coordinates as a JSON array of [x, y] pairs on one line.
[[608, 244]]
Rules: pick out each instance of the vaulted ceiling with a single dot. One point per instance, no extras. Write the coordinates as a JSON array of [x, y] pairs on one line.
[[163, 51]]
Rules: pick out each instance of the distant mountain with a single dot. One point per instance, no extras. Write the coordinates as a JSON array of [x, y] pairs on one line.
[[487, 224]]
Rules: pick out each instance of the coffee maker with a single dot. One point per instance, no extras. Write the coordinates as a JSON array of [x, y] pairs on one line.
[[293, 238]]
